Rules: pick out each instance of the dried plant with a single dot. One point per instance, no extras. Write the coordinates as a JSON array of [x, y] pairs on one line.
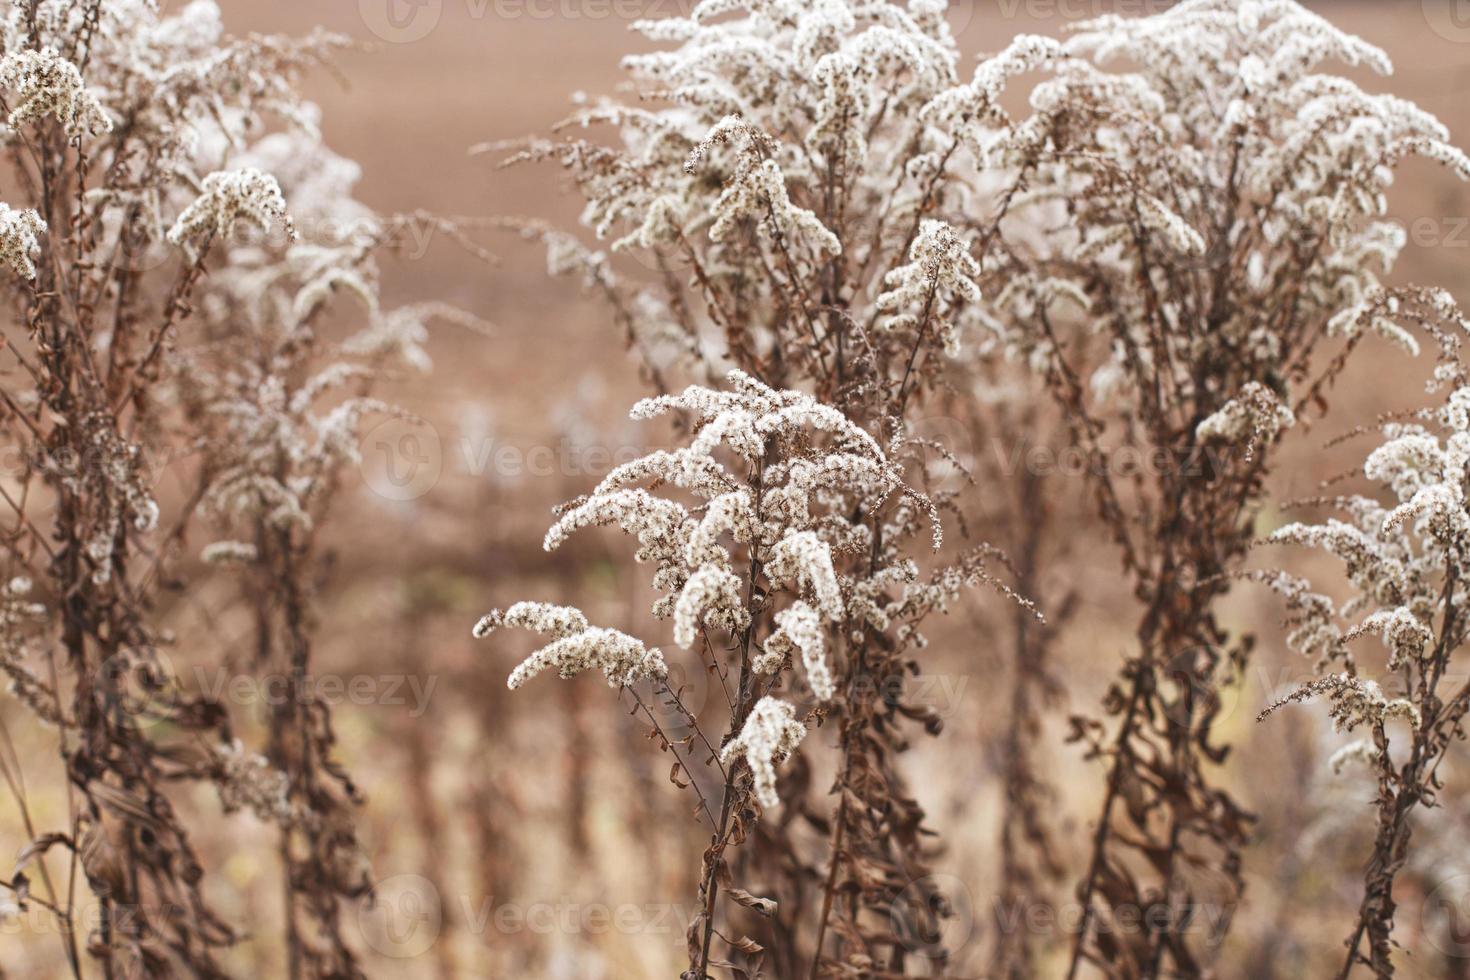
[[1405, 560], [783, 196], [280, 411], [791, 546], [1202, 224], [814, 231], [169, 327], [780, 180]]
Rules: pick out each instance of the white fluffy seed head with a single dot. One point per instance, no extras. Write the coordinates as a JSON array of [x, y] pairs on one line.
[[799, 627], [19, 231], [770, 734], [228, 196], [804, 557], [46, 84]]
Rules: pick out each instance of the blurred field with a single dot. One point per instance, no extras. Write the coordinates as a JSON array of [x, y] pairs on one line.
[[535, 835]]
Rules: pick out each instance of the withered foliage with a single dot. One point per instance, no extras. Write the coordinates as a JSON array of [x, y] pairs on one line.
[[1185, 251], [778, 185], [818, 234], [174, 236], [1404, 554], [1192, 267]]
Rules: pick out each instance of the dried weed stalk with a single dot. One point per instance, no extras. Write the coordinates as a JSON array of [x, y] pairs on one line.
[[1205, 221], [168, 314], [779, 182], [780, 540], [1406, 562]]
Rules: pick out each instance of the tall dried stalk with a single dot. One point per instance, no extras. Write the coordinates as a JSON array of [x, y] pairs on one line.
[[779, 185], [97, 145], [1030, 521], [1405, 560], [166, 313], [1206, 217]]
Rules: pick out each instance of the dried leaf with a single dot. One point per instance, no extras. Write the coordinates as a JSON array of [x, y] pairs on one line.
[[765, 906]]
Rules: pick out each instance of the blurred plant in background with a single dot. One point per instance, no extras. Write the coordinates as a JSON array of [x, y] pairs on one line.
[[172, 311]]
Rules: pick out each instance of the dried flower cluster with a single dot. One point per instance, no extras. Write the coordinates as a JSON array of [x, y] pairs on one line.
[[779, 540], [771, 733], [1188, 216], [161, 327], [790, 185], [43, 84], [1203, 220], [577, 646], [1404, 553], [227, 197], [18, 241]]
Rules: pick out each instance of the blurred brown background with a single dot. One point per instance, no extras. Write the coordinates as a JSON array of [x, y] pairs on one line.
[[536, 834]]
